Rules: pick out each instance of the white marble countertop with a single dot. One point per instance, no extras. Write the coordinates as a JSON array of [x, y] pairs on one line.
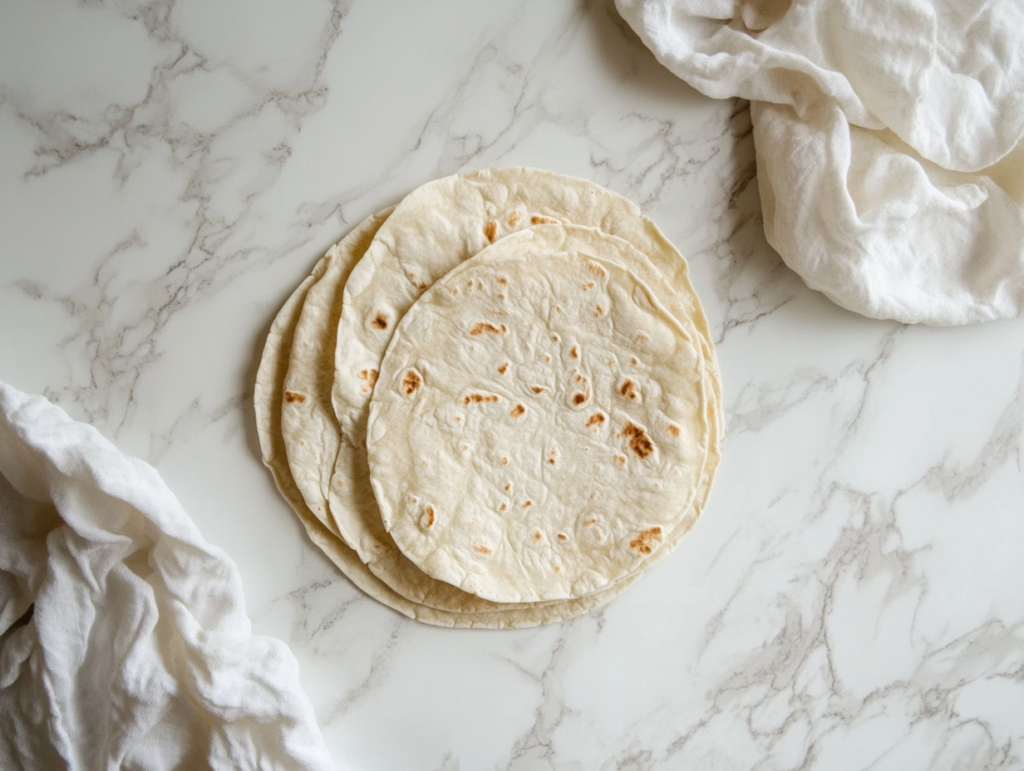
[[853, 597]]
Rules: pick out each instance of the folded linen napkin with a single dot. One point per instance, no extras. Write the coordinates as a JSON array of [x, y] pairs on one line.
[[888, 136], [137, 652]]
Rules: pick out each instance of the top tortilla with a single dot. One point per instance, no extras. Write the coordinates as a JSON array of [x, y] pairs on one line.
[[539, 425]]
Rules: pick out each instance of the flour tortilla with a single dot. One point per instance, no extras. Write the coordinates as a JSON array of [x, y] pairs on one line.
[[539, 426], [268, 402], [431, 231], [308, 424]]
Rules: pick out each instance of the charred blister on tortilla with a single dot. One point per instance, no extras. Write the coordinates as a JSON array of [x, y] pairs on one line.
[[486, 327], [411, 381], [640, 443], [646, 541], [367, 378], [476, 397], [579, 393], [428, 517], [552, 453]]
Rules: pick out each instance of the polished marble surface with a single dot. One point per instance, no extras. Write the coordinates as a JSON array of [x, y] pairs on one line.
[[852, 598]]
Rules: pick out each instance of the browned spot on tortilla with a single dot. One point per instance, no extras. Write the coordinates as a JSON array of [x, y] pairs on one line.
[[294, 396], [595, 420], [645, 540], [504, 461], [634, 360], [491, 230], [424, 463], [589, 285], [552, 458], [620, 459], [599, 311], [558, 568], [579, 377], [513, 218], [501, 297], [454, 290], [574, 352], [528, 504], [502, 507], [485, 326], [537, 536], [508, 487], [673, 429], [458, 418], [555, 338], [538, 389], [578, 399], [428, 516], [411, 382], [369, 377], [591, 521], [639, 442], [482, 549], [563, 537], [517, 411], [596, 269], [547, 357], [536, 219], [502, 280], [503, 368], [380, 321], [626, 389], [479, 398], [639, 337], [423, 286]]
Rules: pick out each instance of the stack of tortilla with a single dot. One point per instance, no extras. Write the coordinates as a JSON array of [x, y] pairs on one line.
[[496, 403]]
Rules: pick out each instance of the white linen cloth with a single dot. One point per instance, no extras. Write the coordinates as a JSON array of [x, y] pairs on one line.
[[138, 653], [888, 136]]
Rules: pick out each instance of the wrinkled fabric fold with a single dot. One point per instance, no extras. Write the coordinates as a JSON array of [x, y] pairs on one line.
[[888, 137], [125, 641]]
